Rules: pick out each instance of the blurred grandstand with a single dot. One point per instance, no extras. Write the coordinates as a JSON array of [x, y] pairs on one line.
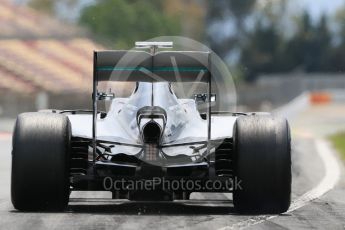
[[41, 56], [45, 63]]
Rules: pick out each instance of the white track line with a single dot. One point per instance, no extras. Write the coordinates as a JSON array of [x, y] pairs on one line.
[[330, 179]]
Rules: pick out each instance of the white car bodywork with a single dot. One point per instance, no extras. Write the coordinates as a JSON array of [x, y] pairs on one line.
[[184, 123]]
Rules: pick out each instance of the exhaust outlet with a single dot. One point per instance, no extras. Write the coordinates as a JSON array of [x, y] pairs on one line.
[[151, 132]]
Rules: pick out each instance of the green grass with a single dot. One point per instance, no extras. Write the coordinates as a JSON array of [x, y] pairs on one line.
[[338, 141]]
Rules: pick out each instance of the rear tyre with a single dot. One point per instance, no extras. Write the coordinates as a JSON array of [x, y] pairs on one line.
[[262, 164], [40, 162]]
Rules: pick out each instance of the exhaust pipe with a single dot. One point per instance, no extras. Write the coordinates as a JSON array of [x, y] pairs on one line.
[[151, 121], [151, 132]]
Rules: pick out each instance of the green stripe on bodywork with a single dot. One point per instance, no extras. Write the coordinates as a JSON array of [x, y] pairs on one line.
[[109, 68], [182, 69], [155, 69]]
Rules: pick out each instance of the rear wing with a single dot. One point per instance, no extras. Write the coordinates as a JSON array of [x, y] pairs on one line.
[[171, 66]]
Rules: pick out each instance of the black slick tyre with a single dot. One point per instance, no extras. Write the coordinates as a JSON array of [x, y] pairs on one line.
[[262, 164], [40, 162]]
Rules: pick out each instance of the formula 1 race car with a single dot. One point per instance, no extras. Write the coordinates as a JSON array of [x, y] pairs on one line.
[[151, 137]]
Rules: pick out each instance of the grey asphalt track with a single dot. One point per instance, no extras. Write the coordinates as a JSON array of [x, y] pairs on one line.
[[89, 210]]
